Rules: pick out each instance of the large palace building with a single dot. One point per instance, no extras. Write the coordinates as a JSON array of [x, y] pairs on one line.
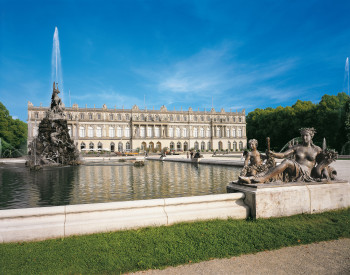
[[95, 129]]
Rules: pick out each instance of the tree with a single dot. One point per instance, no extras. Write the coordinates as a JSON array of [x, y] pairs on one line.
[[13, 133]]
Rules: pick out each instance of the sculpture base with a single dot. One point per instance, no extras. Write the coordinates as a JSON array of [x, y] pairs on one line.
[[279, 199]]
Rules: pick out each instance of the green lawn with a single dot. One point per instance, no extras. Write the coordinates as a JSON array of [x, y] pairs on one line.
[[158, 247]]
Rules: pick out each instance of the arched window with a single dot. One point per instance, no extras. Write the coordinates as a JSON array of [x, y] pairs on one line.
[[111, 132], [178, 146], [234, 146], [202, 145], [120, 147], [112, 147], [99, 146], [98, 131], [229, 145], [128, 147], [90, 131], [196, 145], [172, 146], [91, 146], [82, 146], [220, 145], [143, 145], [159, 146], [81, 131], [209, 145], [240, 145], [185, 146]]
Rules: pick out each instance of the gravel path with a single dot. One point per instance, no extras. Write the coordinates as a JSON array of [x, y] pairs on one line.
[[331, 257]]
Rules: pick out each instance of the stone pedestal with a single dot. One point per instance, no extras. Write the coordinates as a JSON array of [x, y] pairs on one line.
[[286, 199]]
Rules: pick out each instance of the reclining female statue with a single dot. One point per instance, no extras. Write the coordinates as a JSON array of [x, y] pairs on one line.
[[308, 163]]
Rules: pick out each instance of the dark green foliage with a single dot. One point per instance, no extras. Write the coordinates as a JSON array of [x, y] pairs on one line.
[[158, 247], [283, 124], [13, 134]]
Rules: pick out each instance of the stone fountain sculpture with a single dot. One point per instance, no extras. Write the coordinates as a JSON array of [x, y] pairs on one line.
[[303, 162], [53, 145]]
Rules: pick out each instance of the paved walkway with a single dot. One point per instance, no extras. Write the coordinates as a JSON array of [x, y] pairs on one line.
[[331, 257]]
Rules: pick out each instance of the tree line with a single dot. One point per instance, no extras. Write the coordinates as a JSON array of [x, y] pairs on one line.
[[330, 117], [13, 134]]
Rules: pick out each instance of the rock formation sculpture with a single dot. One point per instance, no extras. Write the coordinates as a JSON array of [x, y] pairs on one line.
[[53, 145]]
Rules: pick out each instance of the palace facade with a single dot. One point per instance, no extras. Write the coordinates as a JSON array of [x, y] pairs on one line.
[[95, 129]]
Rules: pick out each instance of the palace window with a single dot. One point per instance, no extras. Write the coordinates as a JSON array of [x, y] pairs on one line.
[[90, 132], [209, 145], [240, 119], [120, 147], [240, 145], [208, 132], [112, 146], [111, 132], [178, 118], [202, 145], [233, 132], [172, 146], [119, 117], [81, 116], [229, 145], [196, 146], [99, 146], [239, 133], [218, 132], [127, 117], [91, 146], [98, 116], [185, 118], [142, 117], [128, 147], [81, 131], [202, 118], [111, 117], [90, 116], [99, 132], [184, 132], [227, 132], [70, 131], [119, 132], [142, 132], [202, 132], [195, 132], [149, 132], [157, 132], [178, 146], [82, 146], [178, 134], [127, 131], [171, 132], [234, 146], [195, 118]]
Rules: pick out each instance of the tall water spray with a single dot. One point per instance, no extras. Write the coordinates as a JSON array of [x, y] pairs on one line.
[[56, 66], [346, 75]]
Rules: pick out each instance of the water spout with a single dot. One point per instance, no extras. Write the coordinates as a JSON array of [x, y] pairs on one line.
[[56, 66], [346, 76]]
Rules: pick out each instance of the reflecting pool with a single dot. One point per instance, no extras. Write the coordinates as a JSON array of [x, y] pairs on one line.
[[107, 182]]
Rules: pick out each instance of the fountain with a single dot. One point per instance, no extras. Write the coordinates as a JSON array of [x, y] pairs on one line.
[[53, 145]]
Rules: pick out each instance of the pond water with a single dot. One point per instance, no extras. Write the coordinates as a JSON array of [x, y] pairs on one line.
[[107, 182]]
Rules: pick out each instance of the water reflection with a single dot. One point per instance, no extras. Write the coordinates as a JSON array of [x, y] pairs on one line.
[[21, 188]]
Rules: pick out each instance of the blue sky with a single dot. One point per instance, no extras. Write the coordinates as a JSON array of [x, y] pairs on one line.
[[234, 54]]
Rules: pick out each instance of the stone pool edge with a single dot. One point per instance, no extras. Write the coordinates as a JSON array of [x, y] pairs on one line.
[[33, 224]]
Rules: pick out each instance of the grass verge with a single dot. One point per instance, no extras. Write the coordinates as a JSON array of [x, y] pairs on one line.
[[158, 247]]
